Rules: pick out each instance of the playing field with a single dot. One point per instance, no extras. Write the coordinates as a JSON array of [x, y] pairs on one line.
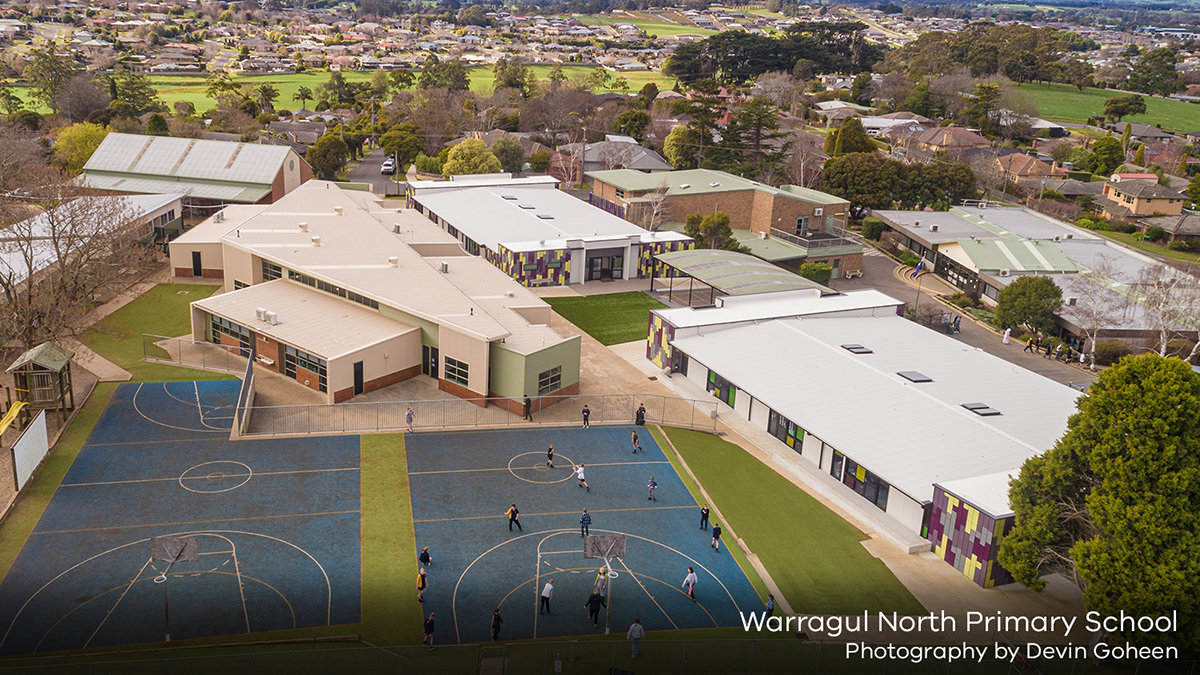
[[462, 483], [275, 525]]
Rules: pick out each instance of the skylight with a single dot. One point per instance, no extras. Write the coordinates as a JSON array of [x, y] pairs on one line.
[[914, 376], [981, 409], [857, 349]]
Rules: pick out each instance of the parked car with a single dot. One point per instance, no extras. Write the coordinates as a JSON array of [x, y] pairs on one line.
[[389, 167]]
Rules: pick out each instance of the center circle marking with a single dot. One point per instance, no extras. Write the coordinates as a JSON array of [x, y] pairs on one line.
[[541, 467], [237, 472]]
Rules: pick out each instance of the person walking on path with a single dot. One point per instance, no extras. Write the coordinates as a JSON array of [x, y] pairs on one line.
[[586, 414], [651, 486], [1058, 352], [547, 593], [639, 418], [429, 631], [770, 605], [550, 456], [585, 521], [704, 517], [422, 583], [496, 623], [582, 481], [1029, 345], [513, 513], [1007, 335], [716, 542], [528, 409], [425, 558], [594, 602], [636, 632], [601, 584], [408, 418], [689, 583], [636, 445]]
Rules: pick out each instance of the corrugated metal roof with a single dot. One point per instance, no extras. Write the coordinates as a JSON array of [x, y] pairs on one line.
[[772, 249], [989, 492], [196, 159], [736, 273], [703, 181], [808, 302], [911, 435], [316, 322], [47, 355], [200, 190], [990, 255]]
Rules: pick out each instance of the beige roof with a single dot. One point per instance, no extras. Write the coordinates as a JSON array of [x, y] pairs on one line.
[[323, 324]]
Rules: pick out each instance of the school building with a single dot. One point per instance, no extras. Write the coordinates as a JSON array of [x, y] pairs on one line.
[[922, 429], [538, 234], [345, 294]]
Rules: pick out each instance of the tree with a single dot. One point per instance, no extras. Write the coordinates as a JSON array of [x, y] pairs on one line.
[[514, 73], [858, 89], [1155, 73], [864, 180], [219, 83], [438, 74], [9, 102], [266, 94], [1107, 155], [1029, 301], [510, 154], [1022, 67], [712, 231], [1113, 505], [1172, 303], [818, 272], [49, 70], [1097, 307], [657, 208], [304, 95], [680, 147], [136, 90], [539, 162], [403, 142], [1126, 137], [470, 157], [647, 94], [327, 156], [852, 137], [157, 125], [76, 144], [1193, 190], [1119, 107], [80, 96], [1139, 157], [633, 123]]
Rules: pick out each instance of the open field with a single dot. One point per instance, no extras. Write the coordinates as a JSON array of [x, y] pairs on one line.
[[659, 28], [613, 318], [1065, 103]]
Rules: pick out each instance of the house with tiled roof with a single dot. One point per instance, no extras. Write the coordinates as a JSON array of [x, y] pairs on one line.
[[1133, 199], [1020, 168]]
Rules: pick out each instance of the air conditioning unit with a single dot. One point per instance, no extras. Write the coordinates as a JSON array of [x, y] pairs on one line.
[[916, 224], [272, 318], [1057, 238], [397, 228], [762, 235], [260, 314], [819, 212], [445, 267], [1070, 236], [219, 217], [933, 228], [1071, 302], [265, 360], [1005, 272]]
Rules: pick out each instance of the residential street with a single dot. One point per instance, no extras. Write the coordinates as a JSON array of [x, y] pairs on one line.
[[367, 171]]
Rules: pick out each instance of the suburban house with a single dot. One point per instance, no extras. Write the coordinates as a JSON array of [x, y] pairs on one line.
[[1020, 168], [1133, 199]]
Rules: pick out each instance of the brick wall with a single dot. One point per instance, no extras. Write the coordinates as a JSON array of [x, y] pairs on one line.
[[208, 274], [314, 380], [377, 383], [462, 392], [265, 346], [516, 406]]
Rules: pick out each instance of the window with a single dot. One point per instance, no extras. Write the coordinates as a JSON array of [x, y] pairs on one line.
[[835, 467], [333, 290], [225, 327], [294, 360], [785, 430], [457, 371], [553, 265], [271, 271], [530, 268], [549, 381], [239, 285], [865, 483], [802, 226]]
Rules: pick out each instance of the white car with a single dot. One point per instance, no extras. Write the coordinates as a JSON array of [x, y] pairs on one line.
[[388, 168]]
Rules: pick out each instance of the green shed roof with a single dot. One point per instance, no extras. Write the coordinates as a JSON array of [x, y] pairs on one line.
[[704, 181], [772, 249], [1019, 255], [736, 273], [47, 355]]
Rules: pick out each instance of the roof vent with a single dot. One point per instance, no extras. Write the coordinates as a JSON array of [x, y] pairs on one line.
[[544, 216], [304, 227], [1057, 238], [857, 349], [981, 409], [510, 294], [337, 210], [684, 186], [914, 376], [511, 198], [316, 241], [1005, 272], [219, 217], [393, 261], [916, 223], [528, 207], [714, 185]]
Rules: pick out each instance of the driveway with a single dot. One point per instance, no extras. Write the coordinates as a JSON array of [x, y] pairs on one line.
[[367, 171]]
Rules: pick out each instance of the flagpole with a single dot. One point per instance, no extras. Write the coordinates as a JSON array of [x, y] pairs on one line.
[[917, 306]]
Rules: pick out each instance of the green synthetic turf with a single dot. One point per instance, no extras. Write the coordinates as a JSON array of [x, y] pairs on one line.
[[811, 553], [611, 319], [158, 311], [391, 613]]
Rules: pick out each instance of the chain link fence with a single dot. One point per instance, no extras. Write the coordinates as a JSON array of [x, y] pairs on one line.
[[373, 416], [195, 354]]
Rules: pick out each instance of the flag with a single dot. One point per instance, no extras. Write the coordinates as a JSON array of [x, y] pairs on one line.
[[920, 266]]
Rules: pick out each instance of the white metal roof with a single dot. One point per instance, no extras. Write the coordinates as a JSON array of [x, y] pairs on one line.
[[988, 492], [911, 435], [317, 322], [192, 188], [497, 215], [197, 159], [807, 302]]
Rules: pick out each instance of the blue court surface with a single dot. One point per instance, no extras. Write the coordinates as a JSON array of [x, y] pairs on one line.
[[275, 522], [461, 485]]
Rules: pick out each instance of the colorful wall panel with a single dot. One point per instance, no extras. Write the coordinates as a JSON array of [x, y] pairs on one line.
[[968, 538], [649, 250], [610, 207], [534, 268], [659, 334]]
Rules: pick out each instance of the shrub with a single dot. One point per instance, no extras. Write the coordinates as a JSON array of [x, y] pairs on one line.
[[1127, 228], [1109, 352], [1086, 223], [962, 300], [909, 259], [1180, 245], [1155, 233], [872, 228], [818, 272], [427, 164]]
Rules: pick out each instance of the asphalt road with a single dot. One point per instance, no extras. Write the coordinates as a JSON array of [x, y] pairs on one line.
[[367, 171]]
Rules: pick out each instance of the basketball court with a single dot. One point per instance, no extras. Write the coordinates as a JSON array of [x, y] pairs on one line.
[[164, 526], [463, 482]]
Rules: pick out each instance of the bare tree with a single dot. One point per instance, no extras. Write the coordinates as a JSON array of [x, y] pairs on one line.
[[55, 264], [950, 91], [1172, 301], [19, 153], [805, 161], [615, 155], [780, 88], [989, 176], [894, 88], [81, 95], [1097, 308], [656, 201]]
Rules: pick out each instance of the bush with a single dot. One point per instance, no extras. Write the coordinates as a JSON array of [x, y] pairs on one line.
[[962, 300], [1155, 233], [1109, 352], [427, 164], [818, 272], [909, 259], [1127, 228], [872, 228], [1181, 245]]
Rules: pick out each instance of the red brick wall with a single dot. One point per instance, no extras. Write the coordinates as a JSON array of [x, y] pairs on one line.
[[462, 392], [265, 346], [516, 406], [276, 188], [231, 344], [305, 172], [208, 274], [378, 383], [314, 380]]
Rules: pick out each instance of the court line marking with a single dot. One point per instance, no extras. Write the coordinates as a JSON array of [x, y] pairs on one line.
[[247, 476], [672, 588], [535, 467], [556, 455], [648, 595], [201, 522], [189, 403], [228, 475], [537, 582], [199, 409], [110, 609], [557, 513], [328, 587], [169, 426]]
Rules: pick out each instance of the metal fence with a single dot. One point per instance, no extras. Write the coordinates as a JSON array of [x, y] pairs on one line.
[[575, 657], [194, 353], [370, 416]]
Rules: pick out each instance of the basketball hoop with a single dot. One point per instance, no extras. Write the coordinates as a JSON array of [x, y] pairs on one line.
[[605, 547]]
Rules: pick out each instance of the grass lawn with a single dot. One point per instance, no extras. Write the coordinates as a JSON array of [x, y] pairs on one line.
[[159, 311], [482, 77], [1135, 240], [611, 319], [659, 28], [389, 549], [812, 554], [1063, 102]]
